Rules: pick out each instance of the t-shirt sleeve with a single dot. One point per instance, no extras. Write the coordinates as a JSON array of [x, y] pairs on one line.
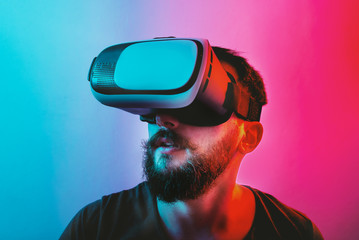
[[311, 230], [316, 233], [275, 220], [84, 224]]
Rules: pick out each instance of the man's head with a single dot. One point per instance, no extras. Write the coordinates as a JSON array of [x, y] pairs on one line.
[[247, 75], [182, 161]]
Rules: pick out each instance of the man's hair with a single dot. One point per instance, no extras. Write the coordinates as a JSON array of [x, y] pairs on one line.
[[248, 76]]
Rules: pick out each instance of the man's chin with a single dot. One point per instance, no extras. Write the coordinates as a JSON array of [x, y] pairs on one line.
[[181, 175], [177, 181]]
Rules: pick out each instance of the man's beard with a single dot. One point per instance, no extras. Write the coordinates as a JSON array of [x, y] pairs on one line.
[[192, 178]]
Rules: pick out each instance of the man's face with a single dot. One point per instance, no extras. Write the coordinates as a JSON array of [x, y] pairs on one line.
[[182, 161]]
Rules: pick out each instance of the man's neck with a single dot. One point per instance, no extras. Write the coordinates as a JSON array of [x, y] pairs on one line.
[[226, 211]]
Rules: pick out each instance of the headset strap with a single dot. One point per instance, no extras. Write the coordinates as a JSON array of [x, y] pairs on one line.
[[243, 104]]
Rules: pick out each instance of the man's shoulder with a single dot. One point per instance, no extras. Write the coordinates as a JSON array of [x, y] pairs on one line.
[[274, 216], [116, 214], [138, 192], [275, 206], [125, 197]]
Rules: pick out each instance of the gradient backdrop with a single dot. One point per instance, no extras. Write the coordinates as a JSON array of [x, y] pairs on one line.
[[61, 149]]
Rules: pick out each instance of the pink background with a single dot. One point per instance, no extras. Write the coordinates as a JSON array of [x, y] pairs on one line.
[[63, 150]]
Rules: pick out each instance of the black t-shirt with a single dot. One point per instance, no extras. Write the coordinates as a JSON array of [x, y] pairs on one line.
[[133, 214]]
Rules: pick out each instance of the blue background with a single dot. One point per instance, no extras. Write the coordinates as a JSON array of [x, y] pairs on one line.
[[59, 147]]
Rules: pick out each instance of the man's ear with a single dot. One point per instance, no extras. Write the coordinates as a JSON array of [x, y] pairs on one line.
[[253, 132]]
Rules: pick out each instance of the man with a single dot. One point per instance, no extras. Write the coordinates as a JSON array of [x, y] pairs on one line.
[[191, 190]]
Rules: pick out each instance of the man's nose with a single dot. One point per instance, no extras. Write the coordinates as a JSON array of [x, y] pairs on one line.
[[167, 121]]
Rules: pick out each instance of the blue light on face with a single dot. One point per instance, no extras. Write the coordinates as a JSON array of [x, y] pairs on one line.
[[159, 65]]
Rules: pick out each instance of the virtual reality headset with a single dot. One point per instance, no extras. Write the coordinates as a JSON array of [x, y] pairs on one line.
[[176, 76]]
